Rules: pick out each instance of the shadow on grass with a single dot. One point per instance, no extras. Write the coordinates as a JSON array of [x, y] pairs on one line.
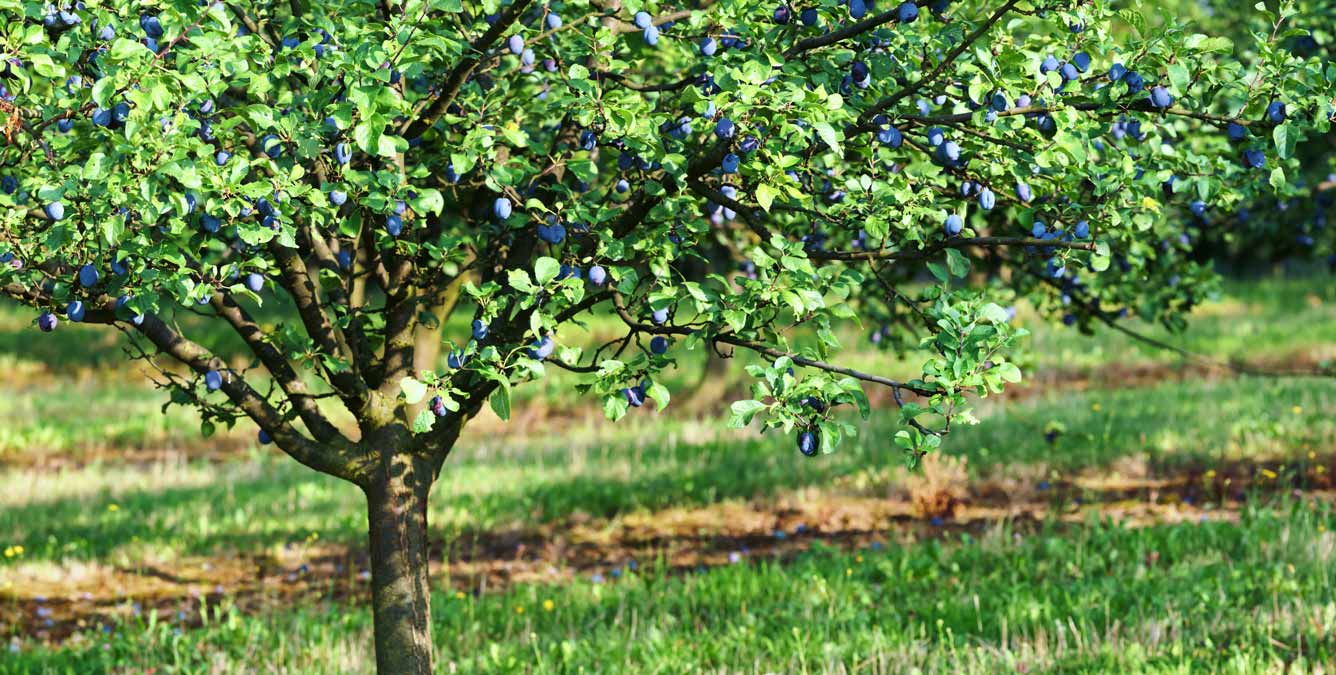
[[1151, 431]]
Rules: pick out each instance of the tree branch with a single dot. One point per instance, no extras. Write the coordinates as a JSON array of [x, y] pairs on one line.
[[335, 459], [297, 280], [413, 128], [851, 30], [731, 339], [278, 366], [890, 101]]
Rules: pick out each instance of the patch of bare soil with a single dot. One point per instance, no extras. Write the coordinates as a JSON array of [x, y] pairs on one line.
[[1132, 376], [54, 603]]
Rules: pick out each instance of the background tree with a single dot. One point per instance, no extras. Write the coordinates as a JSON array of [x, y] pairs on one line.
[[1291, 226], [722, 175]]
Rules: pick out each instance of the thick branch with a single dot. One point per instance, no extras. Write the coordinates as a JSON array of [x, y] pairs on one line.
[[299, 284], [401, 311], [334, 459], [460, 73], [278, 367]]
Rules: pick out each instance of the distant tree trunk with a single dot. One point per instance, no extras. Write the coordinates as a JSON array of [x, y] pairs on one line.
[[428, 338], [400, 584], [712, 385]]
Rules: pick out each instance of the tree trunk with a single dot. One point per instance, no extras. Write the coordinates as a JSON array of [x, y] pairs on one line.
[[428, 337], [400, 587]]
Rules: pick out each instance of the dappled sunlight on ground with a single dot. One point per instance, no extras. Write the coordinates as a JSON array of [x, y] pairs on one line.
[[51, 600]]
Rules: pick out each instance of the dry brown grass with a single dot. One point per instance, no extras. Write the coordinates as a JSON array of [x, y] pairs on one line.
[[938, 490]]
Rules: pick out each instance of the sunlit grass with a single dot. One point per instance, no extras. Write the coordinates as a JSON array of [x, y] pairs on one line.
[[1194, 597], [106, 482]]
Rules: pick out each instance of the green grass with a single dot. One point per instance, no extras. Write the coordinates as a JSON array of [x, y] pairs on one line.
[[1261, 319], [1198, 597], [268, 500], [70, 418]]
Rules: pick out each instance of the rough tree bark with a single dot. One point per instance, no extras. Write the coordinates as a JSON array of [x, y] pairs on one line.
[[400, 584]]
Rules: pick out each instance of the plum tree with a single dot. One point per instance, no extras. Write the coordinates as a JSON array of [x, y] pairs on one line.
[[388, 164]]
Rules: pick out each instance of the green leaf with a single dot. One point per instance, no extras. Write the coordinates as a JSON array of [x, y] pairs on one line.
[[515, 137], [1203, 43], [957, 263], [1285, 138], [388, 146], [736, 318], [546, 269], [660, 394], [1179, 77], [367, 137], [519, 280], [1009, 372], [938, 271], [765, 196], [125, 49], [112, 229], [103, 89], [993, 313], [829, 135], [423, 422], [615, 406], [743, 412], [1278, 178], [500, 401], [429, 201], [414, 391]]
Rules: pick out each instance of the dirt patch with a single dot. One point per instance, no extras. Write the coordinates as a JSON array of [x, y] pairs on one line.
[[1140, 375], [54, 602]]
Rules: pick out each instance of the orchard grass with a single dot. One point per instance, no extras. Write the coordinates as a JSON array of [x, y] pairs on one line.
[[1241, 589], [258, 501], [1250, 596]]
